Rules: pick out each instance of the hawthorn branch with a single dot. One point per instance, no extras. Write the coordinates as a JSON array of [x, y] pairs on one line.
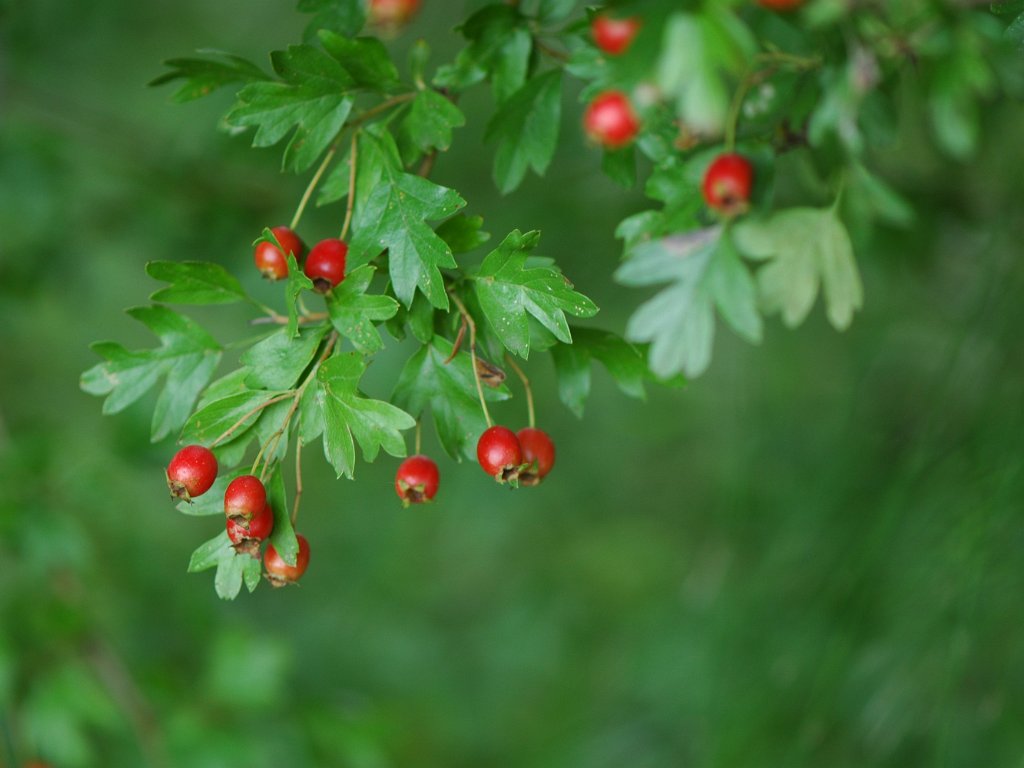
[[351, 202], [249, 414], [526, 386], [468, 319], [312, 185]]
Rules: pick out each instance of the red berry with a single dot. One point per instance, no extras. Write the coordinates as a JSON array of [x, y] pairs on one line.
[[247, 535], [244, 498], [191, 472], [780, 5], [325, 265], [392, 12], [538, 453], [727, 184], [416, 480], [500, 454], [270, 260], [278, 571], [613, 36], [610, 120]]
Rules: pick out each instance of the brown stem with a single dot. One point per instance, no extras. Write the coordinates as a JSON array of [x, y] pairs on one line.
[[427, 165], [312, 317], [384, 106], [472, 354], [231, 430], [457, 344], [526, 386], [275, 438]]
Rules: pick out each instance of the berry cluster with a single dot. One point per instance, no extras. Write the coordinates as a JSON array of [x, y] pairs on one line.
[[611, 121], [517, 458], [325, 264], [249, 517]]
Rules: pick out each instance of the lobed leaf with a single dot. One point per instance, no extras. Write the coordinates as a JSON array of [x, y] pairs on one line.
[[510, 291], [187, 358]]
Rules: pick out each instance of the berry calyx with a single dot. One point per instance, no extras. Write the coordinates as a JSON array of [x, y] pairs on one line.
[[244, 498], [270, 260], [538, 455], [780, 5], [610, 120], [499, 454], [416, 480], [247, 535], [613, 36], [392, 13], [325, 265], [191, 472], [728, 183], [279, 573]]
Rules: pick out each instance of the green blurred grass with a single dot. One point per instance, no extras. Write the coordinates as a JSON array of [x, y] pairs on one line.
[[810, 557]]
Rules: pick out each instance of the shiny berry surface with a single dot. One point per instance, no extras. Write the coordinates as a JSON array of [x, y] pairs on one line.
[[728, 183], [538, 455], [610, 120], [191, 472], [613, 36], [245, 497], [417, 480], [499, 454], [270, 260], [278, 571], [325, 265]]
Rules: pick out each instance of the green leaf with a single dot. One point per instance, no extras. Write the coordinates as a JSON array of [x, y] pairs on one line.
[[701, 53], [312, 100], [554, 10], [622, 360], [448, 389], [278, 361], [228, 579], [365, 58], [354, 313], [620, 166], [346, 17], [500, 47], [394, 217], [195, 282], [203, 76], [209, 423], [509, 292], [296, 283], [704, 271], [187, 357], [803, 247], [374, 424], [463, 233], [283, 535], [211, 553], [526, 130], [431, 119], [252, 572]]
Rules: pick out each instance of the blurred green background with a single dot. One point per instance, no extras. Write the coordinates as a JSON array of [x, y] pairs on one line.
[[812, 556]]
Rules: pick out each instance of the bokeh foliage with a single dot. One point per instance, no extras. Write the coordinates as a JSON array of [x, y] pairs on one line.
[[810, 556]]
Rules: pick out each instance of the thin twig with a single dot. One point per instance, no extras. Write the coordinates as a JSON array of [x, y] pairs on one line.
[[312, 186], [312, 317], [419, 430], [231, 430], [351, 202], [526, 386], [472, 354], [428, 164], [384, 106], [298, 479]]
